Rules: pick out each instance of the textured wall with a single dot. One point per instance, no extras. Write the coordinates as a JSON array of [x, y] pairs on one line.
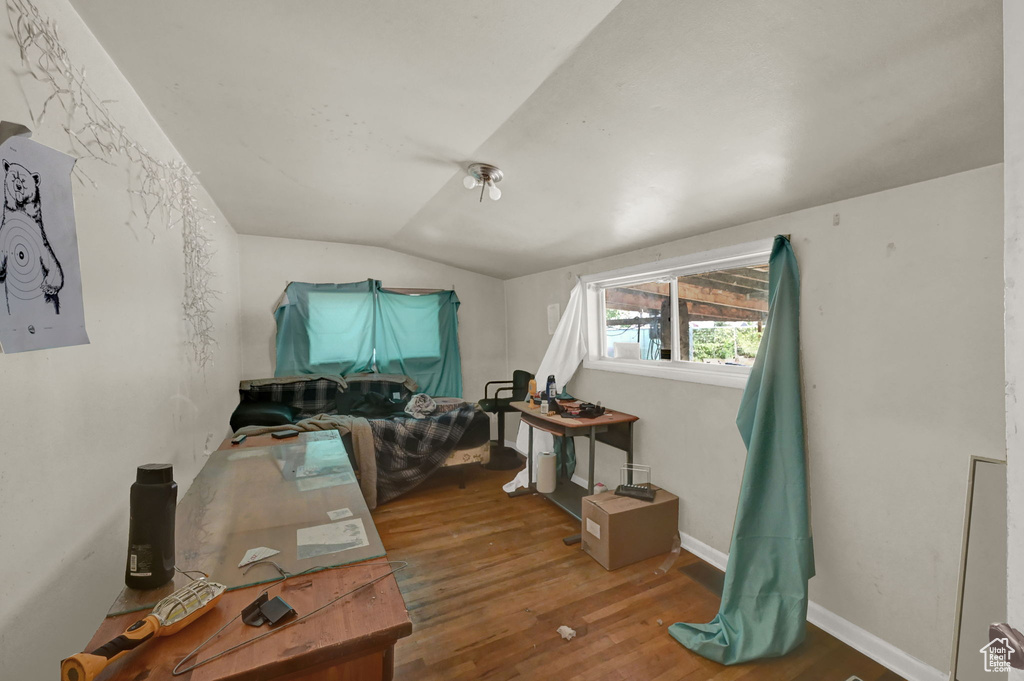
[[902, 364], [77, 421]]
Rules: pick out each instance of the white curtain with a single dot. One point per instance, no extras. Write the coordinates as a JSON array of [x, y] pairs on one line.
[[567, 349]]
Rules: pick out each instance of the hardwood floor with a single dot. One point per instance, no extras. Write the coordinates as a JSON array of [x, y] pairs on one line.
[[490, 581]]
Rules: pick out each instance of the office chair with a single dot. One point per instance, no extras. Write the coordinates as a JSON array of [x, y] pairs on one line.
[[505, 458]]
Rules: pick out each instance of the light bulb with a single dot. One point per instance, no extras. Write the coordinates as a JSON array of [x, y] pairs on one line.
[[470, 182], [493, 192]]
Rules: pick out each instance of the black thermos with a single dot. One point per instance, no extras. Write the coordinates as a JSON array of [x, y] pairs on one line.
[[151, 527]]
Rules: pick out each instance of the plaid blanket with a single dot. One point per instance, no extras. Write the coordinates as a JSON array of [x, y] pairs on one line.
[[410, 450]]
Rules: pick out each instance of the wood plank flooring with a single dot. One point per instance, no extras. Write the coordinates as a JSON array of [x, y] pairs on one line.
[[490, 581]]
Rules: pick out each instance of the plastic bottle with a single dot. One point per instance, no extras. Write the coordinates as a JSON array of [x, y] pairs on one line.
[[151, 527], [548, 398]]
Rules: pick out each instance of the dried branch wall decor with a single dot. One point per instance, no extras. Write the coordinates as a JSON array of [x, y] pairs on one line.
[[158, 190]]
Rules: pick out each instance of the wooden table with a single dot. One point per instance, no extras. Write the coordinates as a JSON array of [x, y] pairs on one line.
[[259, 494], [614, 428]]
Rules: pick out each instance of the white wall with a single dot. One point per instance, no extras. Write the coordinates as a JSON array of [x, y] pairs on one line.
[[1013, 155], [902, 364], [269, 264], [77, 421]]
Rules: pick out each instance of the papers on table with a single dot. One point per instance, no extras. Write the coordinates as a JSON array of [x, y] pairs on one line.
[[330, 538], [257, 554]]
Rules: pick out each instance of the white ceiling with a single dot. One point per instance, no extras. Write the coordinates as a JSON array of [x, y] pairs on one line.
[[617, 124]]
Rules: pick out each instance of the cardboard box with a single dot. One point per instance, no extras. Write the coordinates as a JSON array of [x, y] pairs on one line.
[[619, 531]]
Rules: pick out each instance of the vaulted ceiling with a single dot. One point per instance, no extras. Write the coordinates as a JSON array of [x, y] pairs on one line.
[[617, 124]]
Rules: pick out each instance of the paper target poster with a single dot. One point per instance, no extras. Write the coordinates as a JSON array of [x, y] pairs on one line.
[[40, 275]]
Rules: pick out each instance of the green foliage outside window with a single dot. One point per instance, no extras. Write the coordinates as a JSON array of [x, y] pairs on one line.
[[747, 341], [725, 343]]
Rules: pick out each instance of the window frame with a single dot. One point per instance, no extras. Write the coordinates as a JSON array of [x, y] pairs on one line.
[[739, 255]]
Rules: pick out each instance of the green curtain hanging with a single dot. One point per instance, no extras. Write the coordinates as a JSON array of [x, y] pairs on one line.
[[348, 328], [418, 335], [565, 461], [771, 558], [309, 338]]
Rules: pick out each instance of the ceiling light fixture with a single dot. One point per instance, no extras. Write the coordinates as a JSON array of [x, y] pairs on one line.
[[484, 175]]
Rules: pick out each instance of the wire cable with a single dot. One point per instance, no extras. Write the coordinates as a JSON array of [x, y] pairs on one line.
[[178, 672], [189, 573]]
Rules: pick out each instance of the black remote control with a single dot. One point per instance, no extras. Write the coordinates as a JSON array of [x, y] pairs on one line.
[[641, 492]]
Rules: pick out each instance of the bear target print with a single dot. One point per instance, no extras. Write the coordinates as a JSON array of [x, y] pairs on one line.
[[29, 269]]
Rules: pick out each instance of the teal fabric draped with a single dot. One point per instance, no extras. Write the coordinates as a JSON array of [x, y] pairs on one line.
[[771, 558], [349, 328], [565, 457], [309, 338], [418, 335]]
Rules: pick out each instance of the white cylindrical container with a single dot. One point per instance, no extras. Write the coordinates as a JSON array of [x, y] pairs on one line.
[[546, 472]]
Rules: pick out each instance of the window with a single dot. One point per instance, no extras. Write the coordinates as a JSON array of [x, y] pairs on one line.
[[697, 317]]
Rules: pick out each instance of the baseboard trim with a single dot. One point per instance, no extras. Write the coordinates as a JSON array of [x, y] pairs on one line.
[[879, 650], [882, 652], [706, 553]]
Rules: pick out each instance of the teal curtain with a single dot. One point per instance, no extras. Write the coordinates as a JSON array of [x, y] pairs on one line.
[[771, 558], [348, 328], [565, 461], [326, 328], [418, 335]]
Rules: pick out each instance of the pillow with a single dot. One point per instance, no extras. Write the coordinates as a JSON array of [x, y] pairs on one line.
[[262, 414]]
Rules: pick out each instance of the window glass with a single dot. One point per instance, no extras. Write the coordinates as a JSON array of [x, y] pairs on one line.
[[637, 321], [694, 317], [721, 315]]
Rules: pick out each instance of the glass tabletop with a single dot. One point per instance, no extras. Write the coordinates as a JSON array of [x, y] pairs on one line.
[[300, 498]]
